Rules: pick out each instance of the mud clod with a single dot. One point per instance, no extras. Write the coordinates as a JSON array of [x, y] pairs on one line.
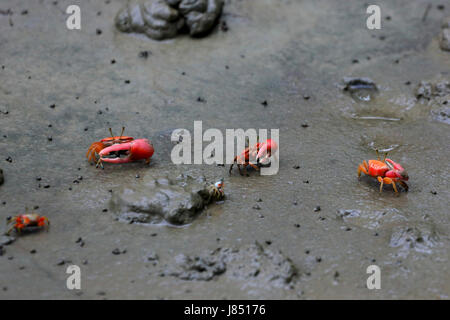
[[156, 200], [164, 19]]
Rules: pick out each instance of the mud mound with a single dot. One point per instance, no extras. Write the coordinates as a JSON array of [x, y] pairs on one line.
[[164, 19], [162, 199]]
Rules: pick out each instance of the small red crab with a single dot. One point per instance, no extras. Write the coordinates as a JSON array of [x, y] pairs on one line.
[[386, 172], [28, 220], [261, 152], [98, 146]]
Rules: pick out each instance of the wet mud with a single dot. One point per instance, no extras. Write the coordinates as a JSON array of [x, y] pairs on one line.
[[253, 264], [268, 64]]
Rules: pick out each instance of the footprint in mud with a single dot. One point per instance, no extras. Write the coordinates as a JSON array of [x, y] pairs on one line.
[[420, 237], [381, 142], [435, 94], [372, 220], [257, 265], [360, 89], [368, 104]]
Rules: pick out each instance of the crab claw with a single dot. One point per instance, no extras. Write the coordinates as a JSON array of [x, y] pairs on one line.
[[397, 171], [265, 150], [134, 150]]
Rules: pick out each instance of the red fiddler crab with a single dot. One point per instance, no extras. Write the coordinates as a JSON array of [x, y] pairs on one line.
[[386, 172], [120, 149], [261, 152], [26, 221]]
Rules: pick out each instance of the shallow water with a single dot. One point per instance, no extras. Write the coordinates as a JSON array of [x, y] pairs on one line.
[[274, 51]]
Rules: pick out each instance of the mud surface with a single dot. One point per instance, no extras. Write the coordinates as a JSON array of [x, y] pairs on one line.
[[276, 64]]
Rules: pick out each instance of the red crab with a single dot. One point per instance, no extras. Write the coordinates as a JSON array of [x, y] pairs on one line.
[[386, 172], [28, 220], [134, 150], [261, 152], [98, 146]]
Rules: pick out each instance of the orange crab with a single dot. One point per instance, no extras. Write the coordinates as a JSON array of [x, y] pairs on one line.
[[386, 172], [261, 152], [96, 147], [26, 221]]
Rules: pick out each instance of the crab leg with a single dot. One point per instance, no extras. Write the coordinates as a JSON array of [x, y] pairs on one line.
[[404, 185], [387, 181]]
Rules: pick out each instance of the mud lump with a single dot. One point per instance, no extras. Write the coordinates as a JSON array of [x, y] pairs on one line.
[[164, 19]]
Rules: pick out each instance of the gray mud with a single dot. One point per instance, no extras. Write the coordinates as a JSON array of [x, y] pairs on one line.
[[278, 64]]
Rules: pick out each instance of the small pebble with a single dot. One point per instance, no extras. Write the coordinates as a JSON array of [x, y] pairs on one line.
[[144, 54]]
